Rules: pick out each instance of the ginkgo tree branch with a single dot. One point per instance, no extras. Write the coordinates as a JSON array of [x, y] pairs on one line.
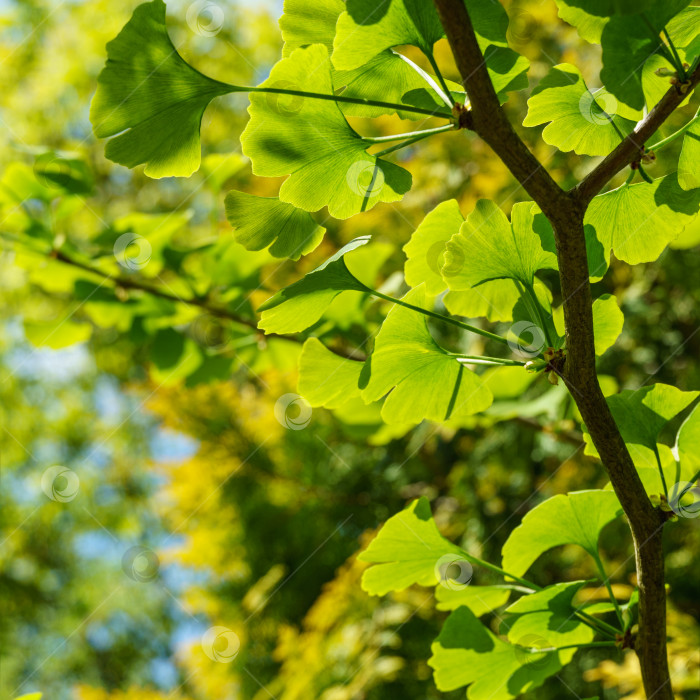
[[488, 120], [631, 149], [565, 211]]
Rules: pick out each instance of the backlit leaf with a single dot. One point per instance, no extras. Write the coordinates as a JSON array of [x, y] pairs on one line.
[[326, 379], [628, 41], [300, 305], [579, 120], [488, 247], [148, 92], [479, 599], [261, 222], [424, 380], [467, 653], [385, 77], [575, 518], [407, 550], [688, 170], [638, 221], [549, 615], [311, 141]]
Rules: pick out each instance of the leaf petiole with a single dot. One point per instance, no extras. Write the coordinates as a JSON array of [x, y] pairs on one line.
[[349, 100], [413, 139], [679, 64], [440, 317], [606, 581], [589, 645], [676, 134], [435, 67], [481, 360], [409, 135], [445, 97]]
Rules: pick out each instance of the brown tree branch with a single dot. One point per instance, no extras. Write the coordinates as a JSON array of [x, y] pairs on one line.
[[488, 120], [632, 147], [566, 211]]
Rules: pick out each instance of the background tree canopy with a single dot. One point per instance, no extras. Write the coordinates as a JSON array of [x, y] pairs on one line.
[[176, 521]]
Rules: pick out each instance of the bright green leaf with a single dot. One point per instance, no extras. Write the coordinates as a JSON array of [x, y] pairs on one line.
[[579, 120], [688, 170], [575, 518], [371, 26], [550, 615], [300, 305], [56, 334], [494, 300], [426, 247], [148, 91], [467, 653], [479, 599], [407, 550], [424, 380], [642, 413], [488, 247], [311, 141], [326, 379], [638, 221], [688, 441], [386, 77], [628, 42], [590, 27], [260, 222]]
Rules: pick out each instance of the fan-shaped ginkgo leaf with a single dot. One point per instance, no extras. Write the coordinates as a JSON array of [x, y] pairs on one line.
[[628, 42], [148, 92], [550, 615], [688, 170], [260, 222], [468, 653], [386, 77], [489, 247], [300, 305], [425, 381], [408, 549], [575, 518], [311, 141], [426, 248], [638, 221], [586, 122], [327, 379], [369, 27]]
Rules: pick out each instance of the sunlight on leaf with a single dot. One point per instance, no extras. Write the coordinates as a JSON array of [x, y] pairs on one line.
[[148, 92], [424, 380], [579, 120], [260, 222], [576, 518], [310, 140]]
